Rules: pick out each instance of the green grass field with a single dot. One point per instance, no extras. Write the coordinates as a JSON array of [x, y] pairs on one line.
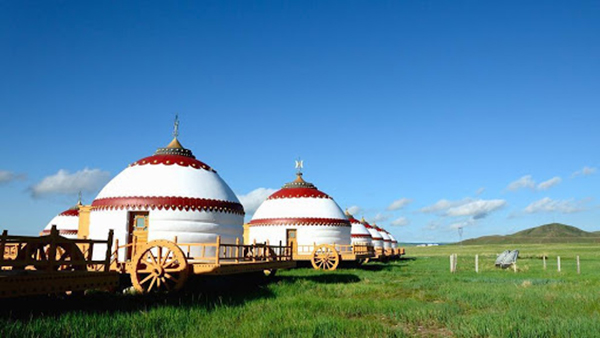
[[413, 297]]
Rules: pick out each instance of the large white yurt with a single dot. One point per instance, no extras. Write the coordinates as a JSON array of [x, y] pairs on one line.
[[67, 223], [302, 214], [169, 194], [359, 233], [376, 237]]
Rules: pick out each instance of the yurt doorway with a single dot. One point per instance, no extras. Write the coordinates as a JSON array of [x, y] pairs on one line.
[[137, 229], [290, 235]]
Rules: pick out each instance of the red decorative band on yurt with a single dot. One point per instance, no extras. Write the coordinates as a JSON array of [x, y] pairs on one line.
[[298, 193], [167, 203], [62, 232], [70, 212], [183, 161], [300, 221], [360, 236]]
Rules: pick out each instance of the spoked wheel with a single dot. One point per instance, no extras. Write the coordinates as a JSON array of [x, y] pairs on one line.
[[159, 266], [325, 257], [67, 255]]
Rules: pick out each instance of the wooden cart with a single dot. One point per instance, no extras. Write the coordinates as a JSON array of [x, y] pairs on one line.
[[163, 265], [52, 264], [329, 256]]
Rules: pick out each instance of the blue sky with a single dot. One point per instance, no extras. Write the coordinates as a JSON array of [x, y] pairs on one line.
[[466, 113]]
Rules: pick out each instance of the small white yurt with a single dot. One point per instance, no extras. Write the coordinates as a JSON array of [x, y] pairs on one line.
[[67, 223], [387, 241], [301, 214], [359, 233], [376, 237], [169, 194]]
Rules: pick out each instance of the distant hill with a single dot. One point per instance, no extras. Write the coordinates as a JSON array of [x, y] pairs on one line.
[[548, 233]]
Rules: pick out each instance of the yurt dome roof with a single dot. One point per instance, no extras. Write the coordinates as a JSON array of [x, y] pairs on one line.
[[301, 203], [67, 222], [172, 178]]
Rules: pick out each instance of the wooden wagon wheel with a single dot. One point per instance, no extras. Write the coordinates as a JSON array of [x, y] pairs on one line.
[[159, 266], [325, 257], [39, 253]]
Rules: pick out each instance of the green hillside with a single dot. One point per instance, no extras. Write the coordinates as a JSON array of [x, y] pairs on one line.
[[548, 233]]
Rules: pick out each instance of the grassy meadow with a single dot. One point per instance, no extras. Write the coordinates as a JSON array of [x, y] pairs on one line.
[[417, 296]]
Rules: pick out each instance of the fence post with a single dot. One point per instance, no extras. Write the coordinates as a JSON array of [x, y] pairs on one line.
[[515, 267], [218, 250], [3, 244], [477, 263], [51, 254], [237, 249], [109, 243], [455, 262], [558, 262], [451, 263], [578, 267], [544, 259]]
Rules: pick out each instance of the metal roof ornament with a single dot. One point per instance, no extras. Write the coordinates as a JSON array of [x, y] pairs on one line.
[[176, 126], [299, 166]]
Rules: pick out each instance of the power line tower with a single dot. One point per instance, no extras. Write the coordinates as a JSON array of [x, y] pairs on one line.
[[460, 233]]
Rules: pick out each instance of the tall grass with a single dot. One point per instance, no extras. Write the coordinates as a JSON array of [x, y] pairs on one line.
[[413, 297]]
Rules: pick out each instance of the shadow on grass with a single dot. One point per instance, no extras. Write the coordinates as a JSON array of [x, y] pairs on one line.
[[204, 292], [323, 278]]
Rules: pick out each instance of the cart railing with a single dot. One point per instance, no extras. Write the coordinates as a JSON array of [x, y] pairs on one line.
[[51, 252], [218, 252], [342, 249], [363, 249]]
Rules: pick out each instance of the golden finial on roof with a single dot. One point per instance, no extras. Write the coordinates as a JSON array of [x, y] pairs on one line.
[[79, 198], [347, 213], [362, 220]]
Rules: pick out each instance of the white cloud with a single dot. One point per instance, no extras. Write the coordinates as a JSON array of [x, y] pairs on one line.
[[478, 209], [444, 204], [399, 204], [432, 225], [549, 183], [63, 182], [585, 171], [252, 200], [547, 204], [381, 217], [480, 191], [523, 182], [400, 222], [9, 176], [355, 210]]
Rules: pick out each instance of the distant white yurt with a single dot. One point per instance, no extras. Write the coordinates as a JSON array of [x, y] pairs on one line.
[[394, 241], [387, 241], [67, 223], [359, 233], [301, 214], [376, 237], [169, 194]]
